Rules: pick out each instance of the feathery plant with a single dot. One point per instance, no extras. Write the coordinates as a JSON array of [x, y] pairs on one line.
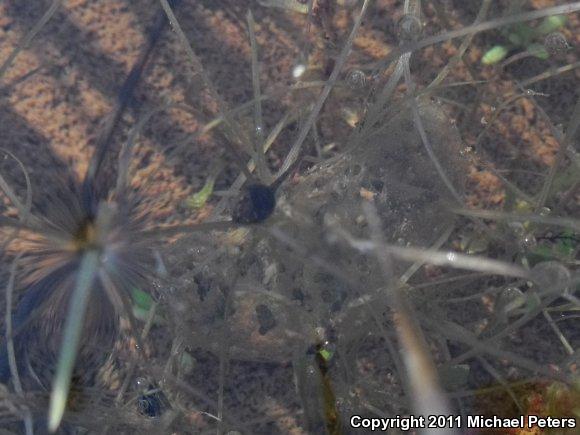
[[82, 259]]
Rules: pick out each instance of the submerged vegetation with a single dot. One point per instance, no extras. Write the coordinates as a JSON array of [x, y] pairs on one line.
[[289, 213]]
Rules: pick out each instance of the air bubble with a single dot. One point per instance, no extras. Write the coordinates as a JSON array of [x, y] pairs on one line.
[[356, 79], [409, 28], [343, 405], [310, 371], [528, 241], [556, 44], [545, 211], [142, 384], [298, 70], [157, 284], [551, 276], [510, 299], [320, 333]]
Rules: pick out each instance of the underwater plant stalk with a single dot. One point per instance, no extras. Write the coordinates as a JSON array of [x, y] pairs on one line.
[[71, 337]]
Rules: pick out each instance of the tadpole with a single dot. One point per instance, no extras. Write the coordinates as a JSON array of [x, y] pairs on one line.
[[257, 201], [256, 204]]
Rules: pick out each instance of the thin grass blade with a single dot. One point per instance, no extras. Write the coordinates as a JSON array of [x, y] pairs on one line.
[[71, 338]]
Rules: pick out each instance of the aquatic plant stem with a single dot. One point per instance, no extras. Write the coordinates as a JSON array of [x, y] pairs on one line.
[[71, 337], [425, 390], [570, 134], [477, 28], [30, 36], [234, 132], [292, 156], [258, 154], [28, 426], [125, 96]]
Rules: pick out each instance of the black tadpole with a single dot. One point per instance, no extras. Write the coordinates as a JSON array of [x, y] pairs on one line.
[[257, 201], [256, 204]]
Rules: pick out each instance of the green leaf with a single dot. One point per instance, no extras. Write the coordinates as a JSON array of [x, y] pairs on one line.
[[141, 299], [523, 206], [521, 35], [325, 354], [567, 245], [551, 24], [538, 50], [494, 55], [543, 251], [198, 200], [142, 305], [187, 363]]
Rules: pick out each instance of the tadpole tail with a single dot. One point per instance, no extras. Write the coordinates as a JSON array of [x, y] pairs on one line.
[[125, 96]]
